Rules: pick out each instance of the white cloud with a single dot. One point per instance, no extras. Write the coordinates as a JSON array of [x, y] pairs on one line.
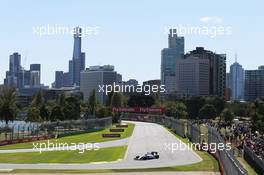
[[210, 19], [205, 19]]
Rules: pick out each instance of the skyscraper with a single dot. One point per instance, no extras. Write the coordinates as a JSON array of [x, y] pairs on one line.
[[36, 67], [228, 88], [169, 56], [254, 84], [58, 79], [67, 79], [192, 76], [13, 76], [236, 81], [76, 64], [93, 77], [26, 77], [78, 59], [14, 63], [228, 83], [217, 69], [20, 78], [70, 73], [34, 79]]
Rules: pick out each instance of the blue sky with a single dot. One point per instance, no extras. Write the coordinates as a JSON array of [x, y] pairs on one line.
[[131, 33]]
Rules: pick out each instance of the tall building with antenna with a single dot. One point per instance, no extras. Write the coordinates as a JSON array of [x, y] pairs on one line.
[[236, 81], [78, 58], [76, 64]]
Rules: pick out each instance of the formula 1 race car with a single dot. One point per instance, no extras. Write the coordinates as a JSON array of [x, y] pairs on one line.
[[148, 156]]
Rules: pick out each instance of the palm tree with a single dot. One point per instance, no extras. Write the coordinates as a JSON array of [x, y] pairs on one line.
[[8, 104], [38, 99]]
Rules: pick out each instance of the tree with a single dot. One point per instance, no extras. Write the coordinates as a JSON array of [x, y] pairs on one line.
[[257, 122], [194, 104], [125, 100], [71, 109], [257, 115], [260, 106], [141, 100], [181, 110], [116, 100], [61, 99], [50, 104], [38, 99], [8, 104], [92, 103], [56, 114], [109, 99], [33, 115], [176, 109], [102, 111], [219, 104], [44, 112], [170, 108], [83, 107], [227, 115], [240, 109], [208, 111]]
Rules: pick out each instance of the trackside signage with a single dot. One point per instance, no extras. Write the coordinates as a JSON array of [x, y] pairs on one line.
[[139, 109]]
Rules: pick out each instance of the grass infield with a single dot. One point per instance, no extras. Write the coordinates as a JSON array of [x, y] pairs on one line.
[[91, 137], [103, 154]]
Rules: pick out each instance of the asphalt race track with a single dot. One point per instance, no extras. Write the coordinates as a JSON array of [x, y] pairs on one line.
[[146, 137]]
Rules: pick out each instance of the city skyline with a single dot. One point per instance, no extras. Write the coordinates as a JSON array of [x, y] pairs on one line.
[[114, 43], [142, 86]]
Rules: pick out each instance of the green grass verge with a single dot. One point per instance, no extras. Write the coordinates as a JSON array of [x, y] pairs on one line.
[[204, 132], [249, 169], [103, 154], [92, 137], [209, 163]]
